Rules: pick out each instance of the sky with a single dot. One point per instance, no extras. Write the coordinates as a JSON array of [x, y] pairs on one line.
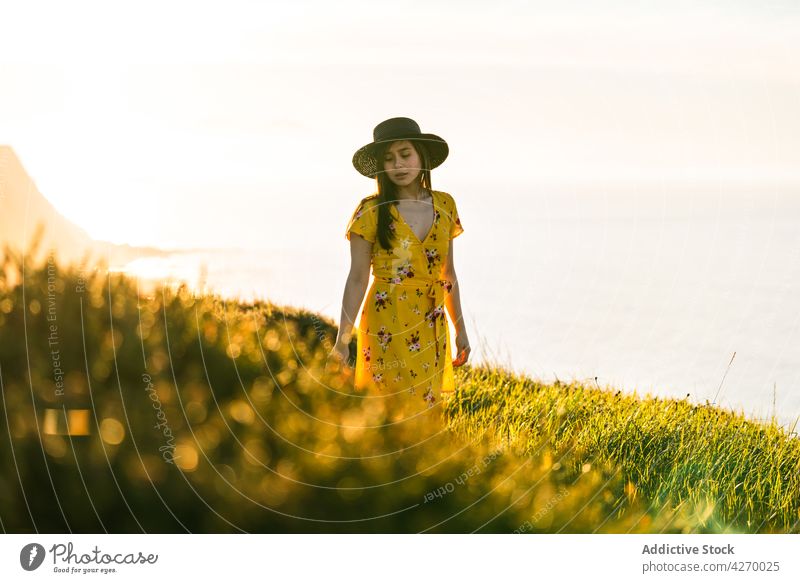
[[231, 123]]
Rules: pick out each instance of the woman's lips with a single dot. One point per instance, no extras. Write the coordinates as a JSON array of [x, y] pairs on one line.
[[403, 175]]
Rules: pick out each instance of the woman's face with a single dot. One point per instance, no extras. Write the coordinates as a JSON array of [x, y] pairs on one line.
[[401, 163]]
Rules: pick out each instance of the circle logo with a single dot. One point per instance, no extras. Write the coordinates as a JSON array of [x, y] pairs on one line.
[[31, 556]]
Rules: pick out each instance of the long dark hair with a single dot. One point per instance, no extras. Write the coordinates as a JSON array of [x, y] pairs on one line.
[[387, 190]]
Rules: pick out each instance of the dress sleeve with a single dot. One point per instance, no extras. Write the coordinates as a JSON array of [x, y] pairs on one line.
[[364, 222], [455, 222]]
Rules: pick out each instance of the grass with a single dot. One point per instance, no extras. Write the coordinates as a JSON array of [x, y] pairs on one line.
[[208, 415], [742, 475]]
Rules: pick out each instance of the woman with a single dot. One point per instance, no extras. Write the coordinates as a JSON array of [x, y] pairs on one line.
[[405, 232]]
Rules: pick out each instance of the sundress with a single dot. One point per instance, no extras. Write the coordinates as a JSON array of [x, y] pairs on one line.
[[403, 338]]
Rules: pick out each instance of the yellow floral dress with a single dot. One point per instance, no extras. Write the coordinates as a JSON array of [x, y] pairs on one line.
[[403, 338]]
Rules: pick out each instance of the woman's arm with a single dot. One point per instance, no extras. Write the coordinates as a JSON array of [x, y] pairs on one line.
[[356, 286], [452, 301]]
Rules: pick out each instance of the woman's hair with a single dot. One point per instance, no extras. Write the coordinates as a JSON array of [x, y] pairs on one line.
[[387, 190]]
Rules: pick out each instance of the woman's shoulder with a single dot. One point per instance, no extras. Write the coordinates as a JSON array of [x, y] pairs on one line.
[[368, 200], [366, 203], [446, 197]]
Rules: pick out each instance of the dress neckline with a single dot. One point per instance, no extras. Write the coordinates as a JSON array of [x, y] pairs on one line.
[[433, 221]]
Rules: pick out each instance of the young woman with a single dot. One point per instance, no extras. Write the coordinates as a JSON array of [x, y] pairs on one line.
[[405, 232]]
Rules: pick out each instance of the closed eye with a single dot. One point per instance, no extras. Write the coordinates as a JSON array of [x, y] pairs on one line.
[[405, 154]]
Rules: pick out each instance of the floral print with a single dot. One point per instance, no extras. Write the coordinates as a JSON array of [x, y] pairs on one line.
[[381, 300], [432, 255], [405, 271], [413, 343], [384, 338]]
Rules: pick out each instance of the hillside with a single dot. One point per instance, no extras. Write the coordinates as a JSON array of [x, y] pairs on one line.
[[171, 412]]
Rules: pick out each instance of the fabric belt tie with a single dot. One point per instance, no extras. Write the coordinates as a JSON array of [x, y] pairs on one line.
[[434, 289]]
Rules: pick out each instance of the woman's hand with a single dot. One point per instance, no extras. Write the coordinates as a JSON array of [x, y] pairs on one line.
[[462, 349], [340, 354]]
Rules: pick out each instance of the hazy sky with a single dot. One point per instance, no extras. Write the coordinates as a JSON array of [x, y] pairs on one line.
[[218, 123]]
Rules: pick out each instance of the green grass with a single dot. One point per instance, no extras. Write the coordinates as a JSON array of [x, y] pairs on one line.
[[741, 475], [209, 415]]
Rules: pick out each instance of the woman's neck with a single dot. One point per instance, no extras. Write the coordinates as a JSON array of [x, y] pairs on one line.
[[411, 192]]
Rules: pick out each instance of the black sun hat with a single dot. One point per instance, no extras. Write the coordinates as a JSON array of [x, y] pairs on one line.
[[397, 128]]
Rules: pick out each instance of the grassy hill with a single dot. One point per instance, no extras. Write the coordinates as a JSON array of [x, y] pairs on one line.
[[196, 414]]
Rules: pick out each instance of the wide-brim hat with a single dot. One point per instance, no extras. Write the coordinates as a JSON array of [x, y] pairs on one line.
[[397, 128]]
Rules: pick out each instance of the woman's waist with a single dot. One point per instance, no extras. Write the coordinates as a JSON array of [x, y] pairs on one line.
[[415, 281], [436, 287]]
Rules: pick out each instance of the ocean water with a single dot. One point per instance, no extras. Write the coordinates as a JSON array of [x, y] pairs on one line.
[[690, 295]]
